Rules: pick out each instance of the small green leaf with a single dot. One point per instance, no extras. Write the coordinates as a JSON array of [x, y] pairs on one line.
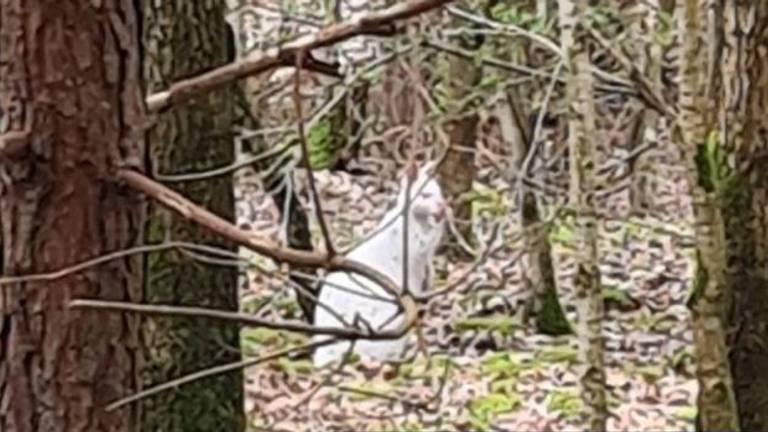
[[558, 354], [295, 367], [566, 403], [686, 413], [504, 324], [483, 410]]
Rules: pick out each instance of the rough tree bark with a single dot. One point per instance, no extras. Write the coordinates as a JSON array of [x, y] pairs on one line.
[[457, 172], [582, 151], [716, 402], [70, 115], [183, 38], [744, 200]]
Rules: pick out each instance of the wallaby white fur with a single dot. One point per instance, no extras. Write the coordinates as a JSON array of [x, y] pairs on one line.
[[383, 251]]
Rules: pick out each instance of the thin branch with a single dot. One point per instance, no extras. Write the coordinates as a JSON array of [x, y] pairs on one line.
[[647, 91], [368, 295], [510, 28], [176, 202], [247, 319], [541, 40], [494, 62], [255, 63], [525, 169], [317, 203], [216, 172], [210, 372], [410, 176], [85, 265]]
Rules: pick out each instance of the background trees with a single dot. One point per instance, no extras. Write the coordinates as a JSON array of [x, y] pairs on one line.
[[182, 39], [617, 144]]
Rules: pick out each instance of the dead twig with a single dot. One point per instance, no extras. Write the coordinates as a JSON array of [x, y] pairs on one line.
[[176, 202], [249, 320], [210, 372], [258, 62], [88, 264], [330, 250]]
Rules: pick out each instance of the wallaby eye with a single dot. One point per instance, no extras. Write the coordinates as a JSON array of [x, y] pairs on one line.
[[426, 195]]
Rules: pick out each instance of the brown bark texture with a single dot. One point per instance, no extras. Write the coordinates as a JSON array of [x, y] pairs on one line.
[[183, 38], [457, 171], [70, 98]]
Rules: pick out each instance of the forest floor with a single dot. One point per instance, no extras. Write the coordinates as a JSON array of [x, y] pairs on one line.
[[481, 366]]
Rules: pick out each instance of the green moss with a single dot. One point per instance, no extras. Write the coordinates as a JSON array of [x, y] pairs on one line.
[[563, 232], [557, 354], [327, 138], [295, 367], [686, 413], [288, 307], [700, 280], [504, 324], [568, 404], [501, 365], [551, 319], [483, 410], [254, 340], [368, 390], [487, 202], [615, 296]]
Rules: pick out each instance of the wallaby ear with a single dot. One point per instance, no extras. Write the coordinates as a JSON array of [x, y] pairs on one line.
[[429, 168]]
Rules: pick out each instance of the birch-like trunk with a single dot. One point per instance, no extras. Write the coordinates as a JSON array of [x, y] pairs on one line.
[[716, 402], [581, 147]]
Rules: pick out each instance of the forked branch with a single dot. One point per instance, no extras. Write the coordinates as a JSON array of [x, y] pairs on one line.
[[287, 55], [176, 202]]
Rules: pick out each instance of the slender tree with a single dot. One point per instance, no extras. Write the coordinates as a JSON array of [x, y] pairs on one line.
[[70, 116], [581, 147], [457, 172], [184, 38], [716, 400]]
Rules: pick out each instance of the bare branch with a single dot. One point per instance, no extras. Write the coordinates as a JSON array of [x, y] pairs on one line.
[[248, 319], [202, 216], [85, 265], [372, 22], [305, 157], [216, 370], [510, 28], [647, 91]]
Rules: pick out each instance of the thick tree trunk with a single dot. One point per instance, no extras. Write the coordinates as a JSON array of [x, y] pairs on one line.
[[182, 38], [582, 152], [70, 115], [744, 72]]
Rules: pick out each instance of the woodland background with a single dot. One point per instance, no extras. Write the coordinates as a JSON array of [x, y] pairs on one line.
[[177, 176]]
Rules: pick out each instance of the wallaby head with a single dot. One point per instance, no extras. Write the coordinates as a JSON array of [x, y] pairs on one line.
[[428, 208]]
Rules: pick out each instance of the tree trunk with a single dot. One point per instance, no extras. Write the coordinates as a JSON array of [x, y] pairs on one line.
[[457, 172], [744, 201], [70, 115], [183, 38], [543, 303], [716, 403], [581, 146]]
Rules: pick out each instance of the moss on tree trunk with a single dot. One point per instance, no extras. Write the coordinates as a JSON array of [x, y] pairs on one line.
[[183, 38]]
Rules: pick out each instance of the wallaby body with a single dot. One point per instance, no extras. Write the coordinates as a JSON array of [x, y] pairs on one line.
[[363, 301]]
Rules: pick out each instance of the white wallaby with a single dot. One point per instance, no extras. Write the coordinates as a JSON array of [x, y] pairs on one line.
[[357, 299]]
